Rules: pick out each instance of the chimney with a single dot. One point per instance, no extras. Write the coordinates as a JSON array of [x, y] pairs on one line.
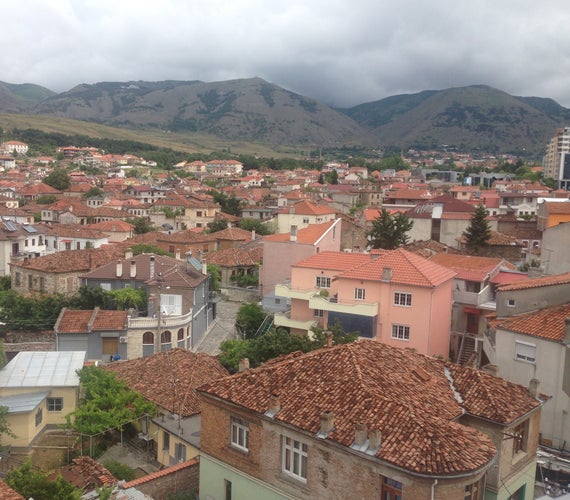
[[274, 405], [387, 274], [151, 266], [360, 435], [329, 341], [293, 237], [374, 440], [177, 254], [327, 423], [533, 387], [243, 365], [119, 271], [204, 266], [128, 253]]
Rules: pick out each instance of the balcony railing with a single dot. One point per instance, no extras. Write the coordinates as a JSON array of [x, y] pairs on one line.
[[331, 304], [285, 290], [166, 322], [284, 319]]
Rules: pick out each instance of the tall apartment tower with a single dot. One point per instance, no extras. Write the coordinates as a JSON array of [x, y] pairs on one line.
[[556, 161]]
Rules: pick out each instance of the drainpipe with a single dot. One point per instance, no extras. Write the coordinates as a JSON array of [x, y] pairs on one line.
[[433, 489]]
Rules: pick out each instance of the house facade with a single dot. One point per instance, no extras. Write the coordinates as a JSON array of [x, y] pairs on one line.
[[390, 296], [301, 214], [345, 430]]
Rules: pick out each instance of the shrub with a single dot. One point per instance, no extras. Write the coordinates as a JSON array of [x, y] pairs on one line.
[[120, 470]]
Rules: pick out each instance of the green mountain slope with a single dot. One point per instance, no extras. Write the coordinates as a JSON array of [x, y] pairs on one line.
[[17, 98]]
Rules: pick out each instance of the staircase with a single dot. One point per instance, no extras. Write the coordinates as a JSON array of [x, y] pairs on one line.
[[467, 352], [265, 326]]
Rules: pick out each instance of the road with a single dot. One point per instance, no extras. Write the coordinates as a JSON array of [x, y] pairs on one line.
[[223, 329]]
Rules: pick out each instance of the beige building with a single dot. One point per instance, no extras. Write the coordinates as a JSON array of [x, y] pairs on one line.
[[39, 389], [556, 161]]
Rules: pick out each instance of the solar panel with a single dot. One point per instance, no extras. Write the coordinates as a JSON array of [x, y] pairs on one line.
[[30, 229], [9, 225]]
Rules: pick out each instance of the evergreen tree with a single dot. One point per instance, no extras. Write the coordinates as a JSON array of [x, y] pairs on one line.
[[478, 233], [58, 179], [389, 231]]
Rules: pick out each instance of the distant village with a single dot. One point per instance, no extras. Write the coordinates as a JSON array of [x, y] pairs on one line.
[[458, 386]]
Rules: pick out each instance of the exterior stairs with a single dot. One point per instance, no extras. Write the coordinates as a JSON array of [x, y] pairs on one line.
[[467, 352]]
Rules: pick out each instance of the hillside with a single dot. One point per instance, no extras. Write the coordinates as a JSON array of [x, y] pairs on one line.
[[474, 117], [18, 98], [250, 110]]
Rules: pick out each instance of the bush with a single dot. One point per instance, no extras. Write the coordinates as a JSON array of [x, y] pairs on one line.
[[120, 470]]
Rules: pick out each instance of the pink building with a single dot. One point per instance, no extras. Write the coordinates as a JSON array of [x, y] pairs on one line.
[[281, 251], [395, 297]]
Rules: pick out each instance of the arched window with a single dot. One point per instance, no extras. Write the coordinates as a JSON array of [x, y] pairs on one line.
[[166, 337], [181, 334], [148, 338]]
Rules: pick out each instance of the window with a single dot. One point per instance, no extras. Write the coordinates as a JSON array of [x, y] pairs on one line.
[[148, 338], [54, 404], [18, 279], [294, 458], [240, 434], [165, 337], [228, 489], [400, 332], [511, 302], [165, 441], [474, 491], [323, 282], [525, 351], [391, 489], [402, 299], [520, 435], [171, 304], [519, 494], [359, 293], [305, 220], [181, 334], [319, 313], [39, 417], [180, 452]]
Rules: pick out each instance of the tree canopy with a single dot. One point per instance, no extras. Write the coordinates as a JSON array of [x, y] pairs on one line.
[[389, 231], [107, 403], [249, 318], [478, 233], [58, 179], [31, 483], [256, 225]]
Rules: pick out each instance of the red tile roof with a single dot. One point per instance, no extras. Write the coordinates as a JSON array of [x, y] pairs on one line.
[[7, 493], [407, 269], [335, 261], [548, 323], [412, 399], [161, 473], [86, 474], [308, 235], [305, 207], [555, 279], [153, 377], [471, 268], [84, 321]]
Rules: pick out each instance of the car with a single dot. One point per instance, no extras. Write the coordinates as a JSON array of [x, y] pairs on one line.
[[167, 226]]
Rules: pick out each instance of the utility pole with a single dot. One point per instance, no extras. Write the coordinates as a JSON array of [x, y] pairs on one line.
[[157, 339]]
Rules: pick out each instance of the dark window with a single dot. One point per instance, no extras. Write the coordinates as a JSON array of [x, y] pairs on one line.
[[165, 440], [181, 334], [148, 338], [228, 489], [54, 404], [166, 337], [391, 489], [39, 417]]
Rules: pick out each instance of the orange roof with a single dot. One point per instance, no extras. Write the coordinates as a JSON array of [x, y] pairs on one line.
[[307, 208], [334, 261], [555, 279], [407, 269], [357, 383], [548, 323], [471, 268], [308, 235], [86, 321]]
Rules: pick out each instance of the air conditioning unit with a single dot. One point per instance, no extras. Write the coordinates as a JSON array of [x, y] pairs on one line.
[[122, 340]]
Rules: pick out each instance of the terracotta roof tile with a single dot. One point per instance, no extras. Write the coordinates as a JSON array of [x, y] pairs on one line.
[[86, 474], [80, 321], [7, 493], [161, 473], [555, 279], [152, 377], [305, 207], [409, 397], [407, 269], [548, 323], [308, 235], [235, 257], [335, 261], [233, 234], [471, 268]]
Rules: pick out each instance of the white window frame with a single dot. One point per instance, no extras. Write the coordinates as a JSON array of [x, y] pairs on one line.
[[54, 404], [525, 351], [239, 434], [403, 299], [323, 282], [318, 313], [294, 458], [400, 332], [171, 304], [360, 294], [511, 302]]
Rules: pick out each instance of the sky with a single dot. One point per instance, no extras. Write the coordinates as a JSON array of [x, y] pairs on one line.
[[339, 52]]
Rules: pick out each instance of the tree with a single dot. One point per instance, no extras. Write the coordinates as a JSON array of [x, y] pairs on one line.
[[478, 233], [31, 483], [93, 192], [58, 179], [215, 273], [5, 429], [141, 225], [249, 318], [147, 248], [217, 225], [107, 403], [128, 298], [255, 225], [46, 199], [389, 231]]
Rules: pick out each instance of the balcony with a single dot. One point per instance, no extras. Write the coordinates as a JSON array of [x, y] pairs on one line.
[[284, 319], [331, 304], [285, 290], [166, 322], [485, 296]]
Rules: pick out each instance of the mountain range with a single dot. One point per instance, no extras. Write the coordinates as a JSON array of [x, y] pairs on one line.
[[475, 117]]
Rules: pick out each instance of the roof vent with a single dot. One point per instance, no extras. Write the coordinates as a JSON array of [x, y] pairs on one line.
[[273, 406], [327, 424]]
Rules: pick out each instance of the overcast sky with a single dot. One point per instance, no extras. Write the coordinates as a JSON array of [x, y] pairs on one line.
[[340, 52]]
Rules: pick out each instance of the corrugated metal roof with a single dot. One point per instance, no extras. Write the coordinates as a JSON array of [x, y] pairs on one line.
[[43, 369], [23, 403]]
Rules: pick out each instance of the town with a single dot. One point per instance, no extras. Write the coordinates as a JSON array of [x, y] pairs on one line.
[[390, 328]]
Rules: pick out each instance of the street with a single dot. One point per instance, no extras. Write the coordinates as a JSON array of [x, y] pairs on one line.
[[223, 329]]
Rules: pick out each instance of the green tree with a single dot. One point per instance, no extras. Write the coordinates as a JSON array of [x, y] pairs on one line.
[[389, 231], [255, 225], [127, 298], [5, 429], [141, 225], [120, 470], [215, 273], [93, 192], [249, 318], [147, 248], [31, 483], [58, 179], [478, 233], [217, 225], [46, 199], [106, 403]]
